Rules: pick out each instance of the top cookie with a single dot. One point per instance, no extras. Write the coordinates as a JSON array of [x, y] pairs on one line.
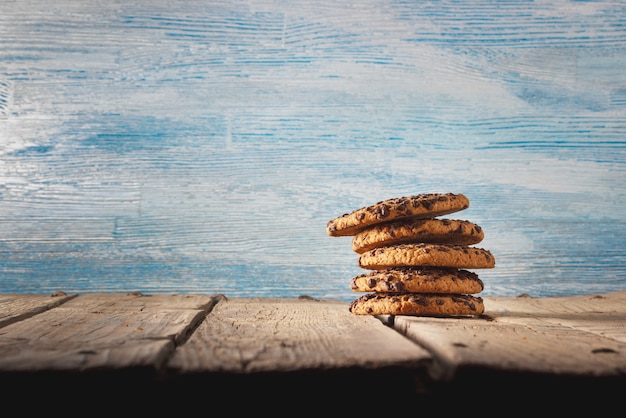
[[426, 205]]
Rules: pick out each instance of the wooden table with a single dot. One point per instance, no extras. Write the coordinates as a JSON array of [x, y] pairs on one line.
[[172, 345]]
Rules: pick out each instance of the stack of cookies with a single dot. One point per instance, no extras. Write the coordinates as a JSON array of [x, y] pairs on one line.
[[417, 261]]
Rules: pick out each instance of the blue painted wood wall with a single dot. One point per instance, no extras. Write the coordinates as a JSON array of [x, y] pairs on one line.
[[201, 146]]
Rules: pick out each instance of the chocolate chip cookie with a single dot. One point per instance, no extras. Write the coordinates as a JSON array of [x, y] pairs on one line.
[[441, 255], [418, 304], [444, 231], [426, 205], [418, 280]]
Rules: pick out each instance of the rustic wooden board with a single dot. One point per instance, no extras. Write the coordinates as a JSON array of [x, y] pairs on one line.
[[280, 335], [580, 335], [136, 302], [16, 307], [602, 314], [103, 331]]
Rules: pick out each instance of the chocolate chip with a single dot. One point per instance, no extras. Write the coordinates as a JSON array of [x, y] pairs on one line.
[[398, 287]]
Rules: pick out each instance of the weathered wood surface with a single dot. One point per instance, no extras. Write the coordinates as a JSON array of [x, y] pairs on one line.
[[242, 335], [168, 350], [580, 335], [191, 334], [15, 307], [268, 335], [95, 331]]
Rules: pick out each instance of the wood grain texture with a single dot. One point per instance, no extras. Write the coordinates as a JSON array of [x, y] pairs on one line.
[[188, 339], [179, 146], [16, 307], [101, 332], [283, 335], [576, 336]]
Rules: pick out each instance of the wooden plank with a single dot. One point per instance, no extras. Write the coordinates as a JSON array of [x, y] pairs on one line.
[[282, 335], [575, 336], [136, 302], [601, 314], [16, 307], [102, 331]]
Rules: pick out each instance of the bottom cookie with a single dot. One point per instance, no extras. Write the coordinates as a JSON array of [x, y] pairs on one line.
[[417, 304]]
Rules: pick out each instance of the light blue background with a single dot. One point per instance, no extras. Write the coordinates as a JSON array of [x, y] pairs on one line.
[[201, 146]]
